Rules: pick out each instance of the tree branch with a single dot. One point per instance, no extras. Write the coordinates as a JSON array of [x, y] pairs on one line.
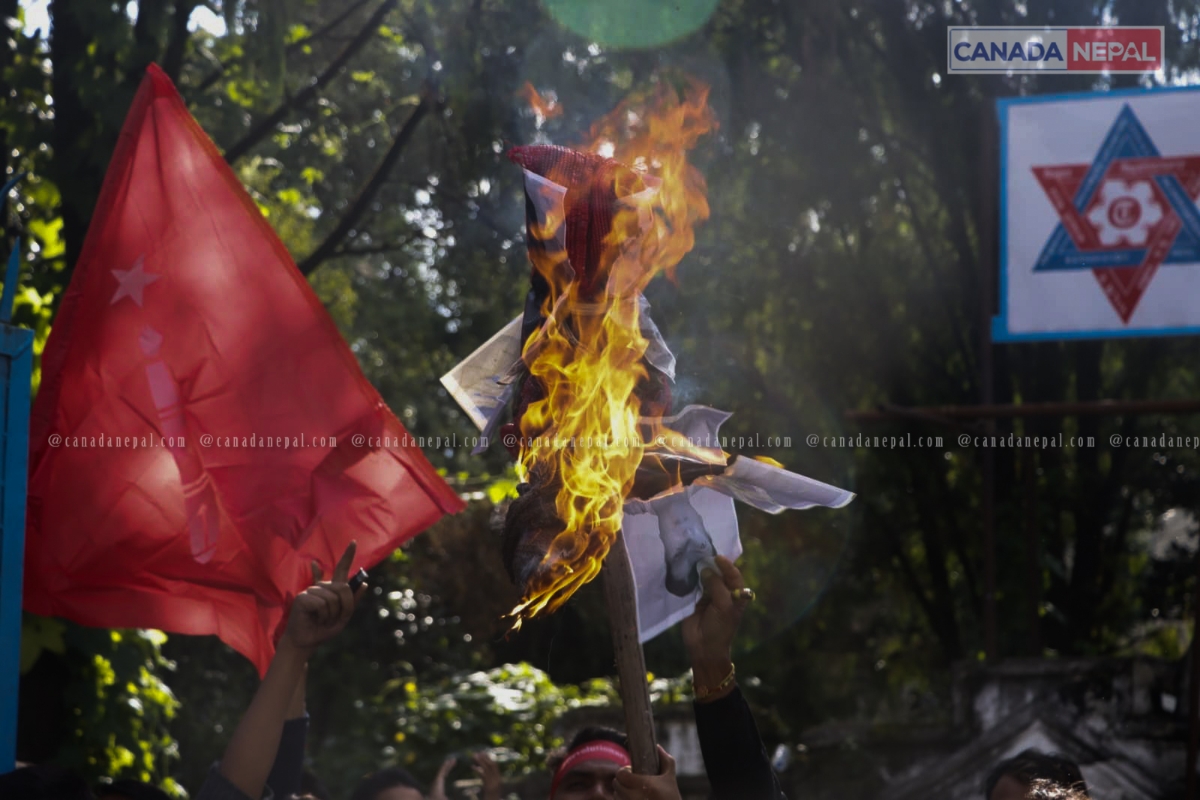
[[907, 570], [374, 249], [268, 123], [946, 621], [328, 247], [211, 78]]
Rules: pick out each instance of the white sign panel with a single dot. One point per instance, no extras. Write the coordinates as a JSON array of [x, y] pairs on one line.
[[1099, 229]]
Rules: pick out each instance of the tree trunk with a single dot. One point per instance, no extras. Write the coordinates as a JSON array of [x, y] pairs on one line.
[[8, 9], [70, 169]]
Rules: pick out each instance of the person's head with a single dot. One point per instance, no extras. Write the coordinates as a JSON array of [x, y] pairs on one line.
[[1049, 790], [1014, 778], [130, 790], [392, 783], [43, 782], [586, 768]]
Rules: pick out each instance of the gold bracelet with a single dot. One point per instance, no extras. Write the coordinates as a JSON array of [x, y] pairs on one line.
[[701, 694]]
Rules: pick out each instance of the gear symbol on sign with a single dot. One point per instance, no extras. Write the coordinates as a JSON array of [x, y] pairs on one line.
[[1125, 213]]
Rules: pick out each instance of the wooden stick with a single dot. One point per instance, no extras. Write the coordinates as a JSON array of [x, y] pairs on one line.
[[620, 598]]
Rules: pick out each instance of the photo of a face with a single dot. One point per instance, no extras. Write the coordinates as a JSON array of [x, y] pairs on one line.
[[686, 542]]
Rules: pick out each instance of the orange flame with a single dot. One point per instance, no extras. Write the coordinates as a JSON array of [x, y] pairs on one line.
[[589, 355], [543, 109]]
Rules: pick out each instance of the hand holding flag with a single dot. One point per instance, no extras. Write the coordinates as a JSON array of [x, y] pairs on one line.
[[317, 614]]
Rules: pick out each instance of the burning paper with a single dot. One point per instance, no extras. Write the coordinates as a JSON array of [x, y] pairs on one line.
[[481, 384], [676, 533], [594, 246], [589, 375]]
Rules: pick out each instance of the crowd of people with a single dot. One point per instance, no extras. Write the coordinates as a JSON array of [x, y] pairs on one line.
[[264, 759]]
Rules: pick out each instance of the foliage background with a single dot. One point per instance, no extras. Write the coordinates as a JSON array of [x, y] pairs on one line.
[[841, 268]]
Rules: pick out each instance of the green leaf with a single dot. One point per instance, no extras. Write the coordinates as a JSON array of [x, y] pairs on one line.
[[48, 233], [502, 489], [298, 32], [391, 35], [236, 91], [312, 175]]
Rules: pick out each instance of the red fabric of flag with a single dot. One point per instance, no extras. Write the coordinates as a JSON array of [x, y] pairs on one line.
[[202, 431]]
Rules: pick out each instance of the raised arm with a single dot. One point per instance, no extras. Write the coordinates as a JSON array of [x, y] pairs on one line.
[[318, 613], [286, 772], [734, 755]]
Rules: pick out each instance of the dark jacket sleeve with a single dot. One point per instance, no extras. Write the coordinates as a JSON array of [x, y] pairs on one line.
[[217, 787], [284, 780], [734, 755]]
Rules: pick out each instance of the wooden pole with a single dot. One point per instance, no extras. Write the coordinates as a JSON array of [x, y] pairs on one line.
[[620, 598]]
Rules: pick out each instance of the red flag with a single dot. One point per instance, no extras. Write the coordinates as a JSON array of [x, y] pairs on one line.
[[202, 431]]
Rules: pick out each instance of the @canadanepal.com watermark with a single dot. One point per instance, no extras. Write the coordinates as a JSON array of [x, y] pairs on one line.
[[863, 441], [1161, 441], [1060, 441], [1013, 441], [183, 441], [254, 441]]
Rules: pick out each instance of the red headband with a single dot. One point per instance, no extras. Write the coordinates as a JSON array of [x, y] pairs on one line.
[[598, 750]]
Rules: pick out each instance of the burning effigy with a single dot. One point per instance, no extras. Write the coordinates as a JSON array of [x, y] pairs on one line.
[[588, 375]]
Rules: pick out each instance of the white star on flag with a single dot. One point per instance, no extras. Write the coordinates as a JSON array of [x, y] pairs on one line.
[[132, 281]]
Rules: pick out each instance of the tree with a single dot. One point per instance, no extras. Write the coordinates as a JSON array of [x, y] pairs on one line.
[[840, 269]]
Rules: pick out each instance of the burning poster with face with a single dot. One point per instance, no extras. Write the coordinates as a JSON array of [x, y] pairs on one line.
[[588, 376]]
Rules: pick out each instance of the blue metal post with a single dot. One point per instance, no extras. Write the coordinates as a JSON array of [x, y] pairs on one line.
[[16, 365]]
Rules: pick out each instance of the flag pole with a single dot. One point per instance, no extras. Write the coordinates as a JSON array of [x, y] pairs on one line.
[[620, 599], [16, 365]]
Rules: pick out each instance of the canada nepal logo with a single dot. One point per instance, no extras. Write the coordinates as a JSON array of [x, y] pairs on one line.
[[1124, 215]]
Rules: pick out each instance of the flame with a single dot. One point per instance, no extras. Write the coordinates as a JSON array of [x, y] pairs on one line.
[[543, 109], [588, 356]]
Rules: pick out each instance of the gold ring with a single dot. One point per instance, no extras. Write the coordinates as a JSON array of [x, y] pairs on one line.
[[745, 593]]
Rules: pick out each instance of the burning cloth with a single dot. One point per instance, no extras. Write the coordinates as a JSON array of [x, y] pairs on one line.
[[585, 360]]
